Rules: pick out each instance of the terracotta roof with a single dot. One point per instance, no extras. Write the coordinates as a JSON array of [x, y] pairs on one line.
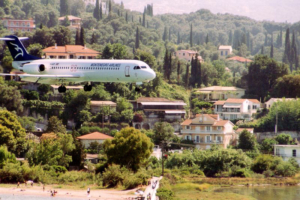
[[103, 103], [216, 116], [235, 100], [254, 101], [187, 51], [95, 136], [239, 59], [221, 123], [69, 49], [241, 129], [219, 103], [187, 122], [71, 17]]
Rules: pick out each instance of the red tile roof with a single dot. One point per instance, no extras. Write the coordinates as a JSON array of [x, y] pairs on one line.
[[152, 99], [186, 122], [221, 123], [254, 101], [219, 103], [239, 59], [95, 136], [69, 49]]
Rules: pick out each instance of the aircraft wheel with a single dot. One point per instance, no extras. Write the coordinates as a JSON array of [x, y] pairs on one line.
[[87, 88], [137, 89], [62, 89]]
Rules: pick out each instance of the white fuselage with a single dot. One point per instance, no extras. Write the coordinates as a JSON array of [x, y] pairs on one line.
[[86, 70]]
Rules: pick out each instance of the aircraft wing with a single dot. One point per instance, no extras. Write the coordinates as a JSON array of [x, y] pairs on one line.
[[41, 76]]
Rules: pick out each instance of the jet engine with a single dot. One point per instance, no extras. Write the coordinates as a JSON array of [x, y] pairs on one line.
[[34, 68]]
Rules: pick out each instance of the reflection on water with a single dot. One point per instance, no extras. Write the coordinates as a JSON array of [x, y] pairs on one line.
[[267, 193], [30, 197]]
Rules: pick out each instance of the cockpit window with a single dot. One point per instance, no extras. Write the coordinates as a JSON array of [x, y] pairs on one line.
[[136, 67], [144, 67]]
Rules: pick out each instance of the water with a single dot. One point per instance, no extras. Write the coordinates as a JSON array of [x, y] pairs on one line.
[[30, 197], [267, 193]]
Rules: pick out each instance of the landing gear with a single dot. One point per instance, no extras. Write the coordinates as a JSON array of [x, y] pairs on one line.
[[137, 89], [87, 88], [62, 89]]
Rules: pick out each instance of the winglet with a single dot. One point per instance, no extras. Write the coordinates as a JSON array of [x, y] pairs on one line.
[[16, 48]]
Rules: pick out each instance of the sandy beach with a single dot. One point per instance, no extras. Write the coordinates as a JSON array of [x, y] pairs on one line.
[[98, 194]]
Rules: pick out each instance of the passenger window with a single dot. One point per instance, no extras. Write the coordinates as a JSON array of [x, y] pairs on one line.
[[144, 67]]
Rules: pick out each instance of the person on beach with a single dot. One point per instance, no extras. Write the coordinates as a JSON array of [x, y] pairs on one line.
[[43, 187], [18, 185], [88, 191]]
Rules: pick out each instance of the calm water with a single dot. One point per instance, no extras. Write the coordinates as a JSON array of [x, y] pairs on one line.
[[267, 193], [30, 197]]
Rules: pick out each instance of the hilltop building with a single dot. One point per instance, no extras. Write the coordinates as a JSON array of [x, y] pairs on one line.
[[96, 106], [15, 25], [224, 51], [75, 22], [287, 152], [233, 109], [70, 52], [187, 55], [215, 93], [87, 139], [271, 101], [207, 129], [159, 109]]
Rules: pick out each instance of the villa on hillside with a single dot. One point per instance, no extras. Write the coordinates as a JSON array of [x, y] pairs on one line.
[[215, 93], [15, 25], [187, 55], [224, 51], [75, 22], [87, 139], [207, 129], [287, 152], [70, 52], [159, 109], [271, 101], [233, 109]]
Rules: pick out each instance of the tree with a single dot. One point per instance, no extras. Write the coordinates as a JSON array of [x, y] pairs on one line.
[[247, 141], [96, 12], [35, 50], [55, 125], [62, 36], [284, 139], [267, 145], [10, 98], [12, 134], [178, 72], [191, 35], [82, 37], [272, 51], [137, 38], [64, 7], [6, 156], [163, 132], [287, 51], [77, 37], [129, 148], [4, 3]]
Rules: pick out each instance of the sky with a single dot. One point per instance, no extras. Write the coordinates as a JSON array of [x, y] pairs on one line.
[[270, 10]]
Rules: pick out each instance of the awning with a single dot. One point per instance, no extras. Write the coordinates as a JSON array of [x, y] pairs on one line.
[[175, 112], [231, 106], [204, 92], [163, 103]]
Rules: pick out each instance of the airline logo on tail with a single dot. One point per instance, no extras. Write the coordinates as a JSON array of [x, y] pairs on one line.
[[17, 48]]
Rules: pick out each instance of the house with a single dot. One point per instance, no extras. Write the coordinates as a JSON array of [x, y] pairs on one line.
[[287, 152], [239, 130], [70, 52], [15, 25], [239, 59], [187, 55], [93, 2], [96, 106], [87, 139], [233, 109], [75, 22], [215, 93], [54, 89], [224, 51], [271, 101], [159, 109], [206, 130]]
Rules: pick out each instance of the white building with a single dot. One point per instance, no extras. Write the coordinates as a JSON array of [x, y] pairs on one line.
[[271, 101], [87, 139], [224, 51], [187, 55], [215, 93], [287, 152], [93, 2], [237, 108]]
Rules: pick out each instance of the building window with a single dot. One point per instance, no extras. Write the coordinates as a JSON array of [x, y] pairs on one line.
[[219, 139], [254, 107], [208, 139], [277, 152], [208, 128], [188, 127], [197, 139], [226, 53], [221, 53], [249, 107], [232, 117], [183, 54], [219, 128], [294, 153]]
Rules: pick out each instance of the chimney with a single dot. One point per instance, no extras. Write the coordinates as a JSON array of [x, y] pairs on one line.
[[84, 47], [55, 46]]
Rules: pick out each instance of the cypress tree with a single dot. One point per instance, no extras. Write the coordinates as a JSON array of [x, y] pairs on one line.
[[191, 36], [262, 50], [165, 34], [93, 39], [64, 8], [144, 18], [82, 37], [96, 12], [187, 74], [178, 38], [100, 11], [230, 38], [109, 6], [77, 37], [178, 71], [207, 39], [248, 40], [280, 38], [244, 39], [266, 39], [170, 67], [126, 17], [199, 78], [166, 64], [140, 20], [169, 33], [137, 38], [272, 51], [287, 50]]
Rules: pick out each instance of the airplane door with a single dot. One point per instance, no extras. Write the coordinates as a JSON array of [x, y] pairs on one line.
[[127, 68]]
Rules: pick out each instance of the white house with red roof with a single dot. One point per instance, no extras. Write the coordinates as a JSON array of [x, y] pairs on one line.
[[208, 129], [187, 55], [87, 139], [233, 109], [75, 22], [224, 51], [70, 52]]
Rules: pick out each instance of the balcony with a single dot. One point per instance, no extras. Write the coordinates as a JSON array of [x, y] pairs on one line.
[[202, 141], [189, 131]]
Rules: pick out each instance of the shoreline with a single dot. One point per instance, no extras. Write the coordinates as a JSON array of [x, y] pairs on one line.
[[37, 190]]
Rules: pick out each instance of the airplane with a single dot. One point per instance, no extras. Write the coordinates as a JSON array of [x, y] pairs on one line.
[[62, 71]]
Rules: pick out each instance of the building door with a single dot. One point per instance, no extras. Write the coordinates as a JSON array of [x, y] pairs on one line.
[[197, 139], [127, 74], [294, 153]]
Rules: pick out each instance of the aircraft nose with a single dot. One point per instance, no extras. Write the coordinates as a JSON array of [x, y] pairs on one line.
[[152, 75]]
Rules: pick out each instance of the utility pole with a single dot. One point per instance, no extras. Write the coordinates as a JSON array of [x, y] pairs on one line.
[[276, 129], [162, 159]]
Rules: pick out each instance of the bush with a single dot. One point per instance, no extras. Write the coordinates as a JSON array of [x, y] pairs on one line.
[[285, 169], [113, 175], [59, 169], [199, 172], [165, 194], [240, 173], [74, 176], [131, 182], [268, 173]]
